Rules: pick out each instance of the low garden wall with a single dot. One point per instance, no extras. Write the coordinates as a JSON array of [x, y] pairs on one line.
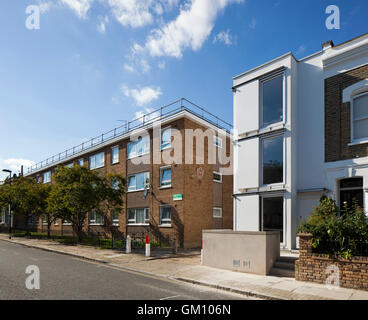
[[319, 268]]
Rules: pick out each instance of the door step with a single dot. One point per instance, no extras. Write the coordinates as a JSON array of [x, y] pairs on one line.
[[284, 267], [283, 273]]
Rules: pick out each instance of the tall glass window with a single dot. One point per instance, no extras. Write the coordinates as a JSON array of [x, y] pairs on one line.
[[272, 157], [166, 138], [115, 155], [139, 147], [351, 190], [165, 177], [273, 215], [97, 161], [272, 101], [47, 177], [360, 117]]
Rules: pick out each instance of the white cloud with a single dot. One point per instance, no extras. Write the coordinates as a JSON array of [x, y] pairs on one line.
[[44, 6], [129, 67], [13, 165], [142, 96], [80, 7], [190, 29], [101, 27], [162, 65], [253, 24], [224, 37]]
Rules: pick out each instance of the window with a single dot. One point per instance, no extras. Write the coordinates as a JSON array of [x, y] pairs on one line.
[[96, 218], [114, 217], [217, 142], [115, 155], [69, 165], [44, 219], [360, 117], [138, 216], [166, 138], [272, 101], [2, 216], [139, 147], [138, 181], [217, 212], [47, 177], [56, 222], [165, 215], [272, 157], [272, 215], [351, 190], [81, 162], [97, 161], [66, 223], [115, 184], [217, 177], [165, 177]]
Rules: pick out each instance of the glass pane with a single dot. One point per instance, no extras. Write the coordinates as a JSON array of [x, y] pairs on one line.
[[131, 183], [361, 107], [131, 149], [273, 160], [351, 183], [100, 160], [140, 214], [131, 214], [166, 176], [350, 196], [140, 146], [147, 215], [272, 101], [146, 143], [165, 213], [273, 209], [115, 155], [140, 181], [92, 162], [361, 129], [166, 138]]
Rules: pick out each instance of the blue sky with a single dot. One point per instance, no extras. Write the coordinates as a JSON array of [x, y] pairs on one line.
[[93, 62]]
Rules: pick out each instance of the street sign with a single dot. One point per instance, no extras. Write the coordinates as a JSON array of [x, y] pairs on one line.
[[177, 197]]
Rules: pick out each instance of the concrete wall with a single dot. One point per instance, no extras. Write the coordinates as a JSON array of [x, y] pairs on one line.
[[249, 252]]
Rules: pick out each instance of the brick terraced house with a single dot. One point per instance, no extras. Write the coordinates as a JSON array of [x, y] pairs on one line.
[[300, 131], [168, 193]]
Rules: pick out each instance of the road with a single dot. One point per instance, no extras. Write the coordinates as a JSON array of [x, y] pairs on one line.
[[66, 277]]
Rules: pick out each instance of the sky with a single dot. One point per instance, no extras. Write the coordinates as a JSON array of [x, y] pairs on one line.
[[94, 62]]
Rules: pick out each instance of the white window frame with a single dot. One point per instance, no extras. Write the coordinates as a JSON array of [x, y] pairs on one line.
[[352, 120], [66, 223], [136, 154], [112, 155], [46, 174], [146, 175], [114, 222], [132, 222], [261, 83], [217, 209], [220, 174], [168, 146], [93, 222], [217, 142], [94, 156], [261, 160], [163, 221], [165, 185]]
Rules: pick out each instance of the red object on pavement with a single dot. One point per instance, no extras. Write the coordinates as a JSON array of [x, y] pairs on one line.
[[147, 239]]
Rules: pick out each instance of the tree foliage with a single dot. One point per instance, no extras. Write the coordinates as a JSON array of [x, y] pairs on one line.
[[78, 191]]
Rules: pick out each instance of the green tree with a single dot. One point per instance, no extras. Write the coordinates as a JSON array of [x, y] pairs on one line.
[[78, 191], [26, 196]]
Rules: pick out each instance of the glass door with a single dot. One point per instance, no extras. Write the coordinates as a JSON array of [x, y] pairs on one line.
[[272, 215]]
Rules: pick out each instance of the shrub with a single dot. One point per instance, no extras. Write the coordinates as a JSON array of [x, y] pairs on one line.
[[337, 232]]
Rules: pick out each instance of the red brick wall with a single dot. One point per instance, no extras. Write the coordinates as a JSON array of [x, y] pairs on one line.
[[312, 267]]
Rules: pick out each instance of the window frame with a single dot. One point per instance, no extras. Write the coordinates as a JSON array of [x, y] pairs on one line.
[[43, 177], [162, 169], [261, 84], [213, 213], [161, 132], [95, 223], [135, 175], [217, 139], [261, 141], [162, 220], [114, 222], [94, 156], [146, 221], [112, 154], [136, 154], [352, 120]]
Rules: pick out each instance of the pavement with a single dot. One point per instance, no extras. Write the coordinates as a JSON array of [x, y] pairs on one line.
[[186, 267]]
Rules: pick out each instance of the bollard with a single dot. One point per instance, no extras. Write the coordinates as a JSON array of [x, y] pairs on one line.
[[128, 245], [174, 246], [201, 251], [148, 246]]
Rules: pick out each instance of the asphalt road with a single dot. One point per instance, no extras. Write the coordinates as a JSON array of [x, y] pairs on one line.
[[66, 277]]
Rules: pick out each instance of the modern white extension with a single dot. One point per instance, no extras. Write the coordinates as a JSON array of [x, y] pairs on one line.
[[300, 131]]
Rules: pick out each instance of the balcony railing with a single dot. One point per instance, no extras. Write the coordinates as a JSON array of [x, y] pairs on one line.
[[156, 115]]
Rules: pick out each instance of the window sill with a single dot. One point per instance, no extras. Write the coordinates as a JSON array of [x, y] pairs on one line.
[[115, 163], [138, 224], [167, 148], [67, 224], [132, 191], [357, 142], [165, 226], [115, 225], [95, 224], [217, 181], [165, 187], [96, 168], [138, 156]]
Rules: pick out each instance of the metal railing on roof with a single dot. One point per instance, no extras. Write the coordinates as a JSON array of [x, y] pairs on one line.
[[156, 115]]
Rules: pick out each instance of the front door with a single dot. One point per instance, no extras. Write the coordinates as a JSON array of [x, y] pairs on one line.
[[272, 217]]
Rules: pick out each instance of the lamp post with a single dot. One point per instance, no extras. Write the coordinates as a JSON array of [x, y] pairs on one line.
[[10, 215]]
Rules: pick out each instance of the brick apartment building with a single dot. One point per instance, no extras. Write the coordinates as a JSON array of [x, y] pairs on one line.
[[178, 199]]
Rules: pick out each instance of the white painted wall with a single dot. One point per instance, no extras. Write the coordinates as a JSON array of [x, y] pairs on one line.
[[247, 213]]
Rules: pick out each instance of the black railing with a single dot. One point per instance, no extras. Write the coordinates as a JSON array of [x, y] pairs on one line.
[[334, 247], [156, 115]]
